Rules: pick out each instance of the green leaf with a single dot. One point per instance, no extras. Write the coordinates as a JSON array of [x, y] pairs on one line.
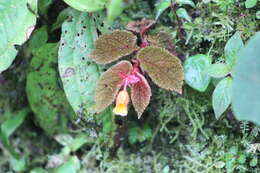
[[221, 98], [63, 15], [16, 25], [181, 12], [113, 46], [64, 139], [218, 70], [18, 165], [38, 38], [245, 92], [109, 84], [164, 68], [232, 48], [71, 166], [9, 126], [44, 93], [186, 2], [114, 9], [161, 6], [257, 14], [140, 95], [253, 162], [79, 74], [195, 68], [250, 3], [87, 5]]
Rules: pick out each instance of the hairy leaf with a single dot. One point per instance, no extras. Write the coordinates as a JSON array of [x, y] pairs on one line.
[[45, 96], [87, 5], [164, 40], [16, 25], [111, 47], [196, 75], [109, 84], [245, 91], [140, 95], [222, 96], [164, 68], [79, 74]]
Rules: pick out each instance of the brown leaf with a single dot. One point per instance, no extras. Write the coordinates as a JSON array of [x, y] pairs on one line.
[[140, 27], [111, 47], [109, 84], [164, 68], [140, 95]]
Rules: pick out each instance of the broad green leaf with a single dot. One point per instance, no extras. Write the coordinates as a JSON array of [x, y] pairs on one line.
[[78, 72], [140, 95], [218, 70], [38, 38], [221, 98], [71, 166], [161, 6], [181, 12], [16, 25], [44, 93], [114, 9], [245, 92], [195, 69], [87, 5], [186, 2], [232, 48], [250, 3], [109, 84], [113, 46], [164, 68]]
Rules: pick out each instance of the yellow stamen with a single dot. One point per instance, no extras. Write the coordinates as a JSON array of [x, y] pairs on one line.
[[122, 101]]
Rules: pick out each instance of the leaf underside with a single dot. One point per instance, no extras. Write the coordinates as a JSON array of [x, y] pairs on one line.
[[140, 95], [164, 68], [109, 84], [111, 47]]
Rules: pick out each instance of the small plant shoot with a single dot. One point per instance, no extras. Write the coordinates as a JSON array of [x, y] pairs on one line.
[[162, 66]]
